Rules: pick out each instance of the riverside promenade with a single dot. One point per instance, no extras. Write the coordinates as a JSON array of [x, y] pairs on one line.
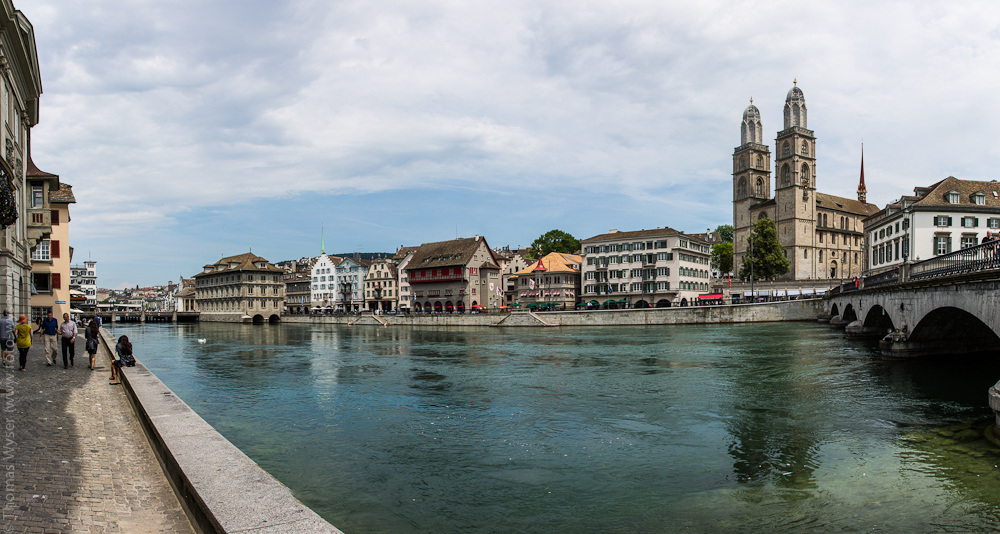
[[75, 457]]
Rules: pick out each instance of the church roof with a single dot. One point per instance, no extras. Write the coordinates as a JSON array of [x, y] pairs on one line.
[[848, 205]]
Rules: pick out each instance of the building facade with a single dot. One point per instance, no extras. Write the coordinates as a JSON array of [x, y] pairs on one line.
[[821, 234], [644, 268], [455, 276], [350, 273], [243, 288], [51, 258], [324, 285], [551, 282], [22, 225], [83, 278], [382, 286], [402, 260], [950, 215]]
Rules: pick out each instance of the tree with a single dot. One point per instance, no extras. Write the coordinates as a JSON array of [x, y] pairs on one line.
[[722, 257], [553, 241], [725, 232], [766, 256]]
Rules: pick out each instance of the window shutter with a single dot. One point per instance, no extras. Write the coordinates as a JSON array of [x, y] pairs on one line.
[[975, 222], [55, 217], [934, 249], [56, 280], [949, 221], [54, 248], [949, 244]]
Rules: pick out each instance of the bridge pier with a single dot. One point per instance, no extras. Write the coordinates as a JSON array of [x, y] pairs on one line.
[[858, 330], [838, 320], [895, 346]]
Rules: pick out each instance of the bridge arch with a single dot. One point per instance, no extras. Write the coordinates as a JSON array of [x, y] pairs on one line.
[[834, 311], [879, 320], [274, 319], [949, 330], [849, 314], [258, 319]]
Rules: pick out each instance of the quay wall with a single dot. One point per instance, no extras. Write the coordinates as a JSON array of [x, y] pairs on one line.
[[222, 490], [789, 310]]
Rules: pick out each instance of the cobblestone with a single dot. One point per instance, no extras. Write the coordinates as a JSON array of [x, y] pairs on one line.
[[75, 458]]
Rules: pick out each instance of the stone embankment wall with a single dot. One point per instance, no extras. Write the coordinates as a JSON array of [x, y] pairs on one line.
[[792, 310], [222, 489]]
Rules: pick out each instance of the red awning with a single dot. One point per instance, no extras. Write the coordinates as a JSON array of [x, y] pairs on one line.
[[717, 296]]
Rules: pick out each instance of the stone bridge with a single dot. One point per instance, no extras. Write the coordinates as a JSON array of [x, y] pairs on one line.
[[945, 306]]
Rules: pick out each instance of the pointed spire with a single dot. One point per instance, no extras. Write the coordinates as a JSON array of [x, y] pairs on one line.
[[322, 240], [862, 191]]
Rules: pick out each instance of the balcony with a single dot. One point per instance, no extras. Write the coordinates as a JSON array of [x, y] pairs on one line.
[[39, 222]]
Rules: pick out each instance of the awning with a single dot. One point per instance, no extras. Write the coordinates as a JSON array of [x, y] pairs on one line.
[[793, 292], [515, 305], [606, 302], [595, 303], [748, 293], [764, 293], [622, 301], [714, 296], [477, 305], [532, 305]]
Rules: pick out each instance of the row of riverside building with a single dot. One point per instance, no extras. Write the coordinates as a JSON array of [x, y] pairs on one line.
[[635, 269], [826, 239]]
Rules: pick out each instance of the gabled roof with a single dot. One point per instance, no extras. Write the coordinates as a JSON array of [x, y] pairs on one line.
[[241, 262], [457, 252], [848, 205], [555, 262], [402, 252], [936, 195], [619, 236]]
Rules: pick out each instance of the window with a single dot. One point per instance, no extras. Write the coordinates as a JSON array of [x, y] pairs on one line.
[[969, 241], [979, 198], [37, 199], [970, 222], [942, 244], [993, 223], [42, 251], [942, 220], [805, 148], [952, 197]]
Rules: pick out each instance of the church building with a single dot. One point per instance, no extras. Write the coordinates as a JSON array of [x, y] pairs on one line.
[[821, 234]]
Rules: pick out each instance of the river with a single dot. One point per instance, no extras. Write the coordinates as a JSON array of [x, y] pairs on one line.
[[784, 427]]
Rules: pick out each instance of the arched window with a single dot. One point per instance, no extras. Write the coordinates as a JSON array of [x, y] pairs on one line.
[[760, 162], [762, 216], [760, 187], [785, 149], [805, 148], [825, 220], [743, 162], [805, 175], [741, 189], [786, 174]]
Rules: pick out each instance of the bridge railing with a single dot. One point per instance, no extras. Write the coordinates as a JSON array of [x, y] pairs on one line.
[[883, 279], [982, 257]]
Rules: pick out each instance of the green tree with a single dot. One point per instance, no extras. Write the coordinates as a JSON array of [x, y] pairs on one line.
[[725, 232], [722, 257], [765, 255], [553, 241]]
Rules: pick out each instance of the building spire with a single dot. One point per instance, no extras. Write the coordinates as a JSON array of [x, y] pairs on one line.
[[862, 191], [322, 240]]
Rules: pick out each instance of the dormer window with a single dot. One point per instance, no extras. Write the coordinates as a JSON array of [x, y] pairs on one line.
[[979, 198], [952, 197]]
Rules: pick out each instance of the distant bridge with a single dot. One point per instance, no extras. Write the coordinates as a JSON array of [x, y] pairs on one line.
[[142, 316]]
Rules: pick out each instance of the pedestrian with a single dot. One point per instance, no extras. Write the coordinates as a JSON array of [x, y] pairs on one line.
[[23, 339], [50, 336], [92, 333], [125, 358], [7, 339], [68, 332]]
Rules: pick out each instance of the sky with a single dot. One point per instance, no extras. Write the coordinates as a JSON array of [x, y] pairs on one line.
[[190, 130]]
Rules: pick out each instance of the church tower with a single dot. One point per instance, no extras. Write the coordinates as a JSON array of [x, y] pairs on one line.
[[751, 179], [795, 187]]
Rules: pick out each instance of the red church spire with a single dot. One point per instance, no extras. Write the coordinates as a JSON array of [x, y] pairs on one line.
[[862, 191]]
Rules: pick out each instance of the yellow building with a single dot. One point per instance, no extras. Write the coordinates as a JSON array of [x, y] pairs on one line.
[[553, 281], [51, 258]]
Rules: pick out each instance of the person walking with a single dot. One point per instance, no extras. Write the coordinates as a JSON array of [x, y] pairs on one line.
[[50, 335], [68, 333], [92, 333], [22, 337], [7, 339]]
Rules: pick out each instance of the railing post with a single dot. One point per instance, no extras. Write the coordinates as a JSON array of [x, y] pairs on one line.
[[904, 273]]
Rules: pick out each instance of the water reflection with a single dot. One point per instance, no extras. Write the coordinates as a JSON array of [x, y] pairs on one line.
[[645, 429]]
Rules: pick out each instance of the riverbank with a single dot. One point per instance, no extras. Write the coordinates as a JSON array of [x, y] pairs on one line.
[[789, 310]]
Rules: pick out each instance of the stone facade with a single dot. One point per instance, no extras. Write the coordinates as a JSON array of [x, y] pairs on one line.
[[644, 268], [240, 288], [382, 286], [455, 276], [821, 234]]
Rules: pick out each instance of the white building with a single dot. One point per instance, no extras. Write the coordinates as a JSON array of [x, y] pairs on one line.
[[324, 285], [83, 278], [644, 268], [950, 215], [350, 273], [402, 259]]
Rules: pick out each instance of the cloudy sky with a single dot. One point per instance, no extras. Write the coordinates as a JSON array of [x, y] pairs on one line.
[[191, 129]]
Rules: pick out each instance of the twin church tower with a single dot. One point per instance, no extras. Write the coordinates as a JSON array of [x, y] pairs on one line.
[[821, 234]]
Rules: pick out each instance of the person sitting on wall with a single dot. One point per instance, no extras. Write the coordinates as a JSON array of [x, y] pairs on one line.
[[125, 358]]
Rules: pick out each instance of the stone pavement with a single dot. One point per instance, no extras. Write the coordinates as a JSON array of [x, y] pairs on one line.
[[75, 458]]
